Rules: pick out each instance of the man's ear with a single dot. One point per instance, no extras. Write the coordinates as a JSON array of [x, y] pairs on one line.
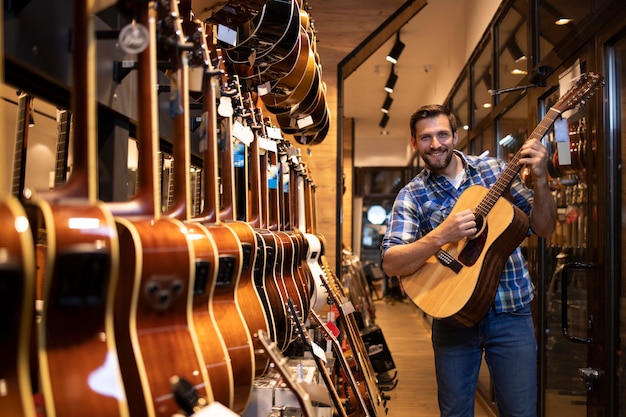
[[455, 138], [414, 142]]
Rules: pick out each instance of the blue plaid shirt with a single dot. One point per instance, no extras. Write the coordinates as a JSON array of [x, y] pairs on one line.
[[427, 199]]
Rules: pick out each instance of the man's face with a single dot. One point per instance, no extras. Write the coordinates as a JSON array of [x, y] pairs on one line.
[[435, 142]]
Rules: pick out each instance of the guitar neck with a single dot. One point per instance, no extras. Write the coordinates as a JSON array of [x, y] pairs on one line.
[[24, 108], [63, 141], [342, 361], [316, 353], [513, 167]]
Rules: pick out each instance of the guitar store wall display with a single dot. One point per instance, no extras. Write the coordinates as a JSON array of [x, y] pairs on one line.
[[153, 278]]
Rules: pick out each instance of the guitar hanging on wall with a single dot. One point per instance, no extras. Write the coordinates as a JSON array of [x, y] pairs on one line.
[[460, 281]]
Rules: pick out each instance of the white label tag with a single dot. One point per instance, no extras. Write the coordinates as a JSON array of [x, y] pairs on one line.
[[305, 121], [263, 89], [242, 133], [318, 351], [226, 34], [274, 133], [563, 149], [348, 308]]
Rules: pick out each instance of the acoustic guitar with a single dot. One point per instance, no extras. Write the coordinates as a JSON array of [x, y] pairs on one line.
[[79, 370], [247, 293], [460, 281], [154, 299], [224, 306]]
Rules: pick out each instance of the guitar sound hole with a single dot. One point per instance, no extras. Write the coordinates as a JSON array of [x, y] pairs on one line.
[[202, 277], [225, 271], [82, 276]]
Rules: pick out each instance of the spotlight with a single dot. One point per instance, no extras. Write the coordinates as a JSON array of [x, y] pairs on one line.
[[386, 104], [396, 50], [384, 120], [391, 81]]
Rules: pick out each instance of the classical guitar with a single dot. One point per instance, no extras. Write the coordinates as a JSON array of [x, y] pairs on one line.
[[460, 281], [78, 366]]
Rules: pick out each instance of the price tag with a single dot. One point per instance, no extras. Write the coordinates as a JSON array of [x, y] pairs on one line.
[[561, 137]]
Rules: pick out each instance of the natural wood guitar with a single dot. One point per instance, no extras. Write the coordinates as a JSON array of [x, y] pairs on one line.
[[460, 281]]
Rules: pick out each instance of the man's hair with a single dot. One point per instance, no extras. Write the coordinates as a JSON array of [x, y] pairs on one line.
[[432, 110]]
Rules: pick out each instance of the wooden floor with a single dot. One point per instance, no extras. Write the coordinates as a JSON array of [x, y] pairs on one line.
[[408, 337]]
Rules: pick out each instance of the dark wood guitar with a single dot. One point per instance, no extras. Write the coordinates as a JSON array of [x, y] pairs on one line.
[[247, 293], [79, 371], [265, 275], [212, 344], [224, 306], [459, 283]]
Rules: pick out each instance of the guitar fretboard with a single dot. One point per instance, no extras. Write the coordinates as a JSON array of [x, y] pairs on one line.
[[513, 167]]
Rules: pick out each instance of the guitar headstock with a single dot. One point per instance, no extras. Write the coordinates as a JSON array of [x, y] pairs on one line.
[[585, 87], [294, 315]]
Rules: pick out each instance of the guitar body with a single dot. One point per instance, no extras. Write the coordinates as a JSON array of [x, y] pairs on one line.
[[465, 297], [319, 297], [247, 294], [212, 345], [229, 317], [17, 305], [79, 371], [275, 289], [292, 285], [159, 340]]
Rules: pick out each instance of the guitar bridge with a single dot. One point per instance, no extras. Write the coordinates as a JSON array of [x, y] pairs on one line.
[[448, 261]]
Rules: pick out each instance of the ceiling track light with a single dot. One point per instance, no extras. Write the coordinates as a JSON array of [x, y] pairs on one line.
[[387, 104], [384, 120], [391, 81], [397, 49]]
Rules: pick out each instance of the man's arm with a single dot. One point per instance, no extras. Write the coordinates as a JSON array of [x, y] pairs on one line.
[[401, 260], [543, 213]]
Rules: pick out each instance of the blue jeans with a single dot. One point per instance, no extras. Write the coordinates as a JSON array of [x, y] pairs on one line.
[[510, 348]]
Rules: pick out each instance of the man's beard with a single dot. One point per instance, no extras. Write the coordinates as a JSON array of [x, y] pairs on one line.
[[436, 164]]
